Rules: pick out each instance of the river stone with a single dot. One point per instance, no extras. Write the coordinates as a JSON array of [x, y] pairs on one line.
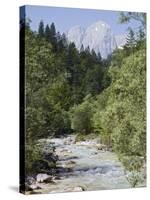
[[78, 189], [35, 187], [30, 180], [41, 177], [94, 153], [75, 189]]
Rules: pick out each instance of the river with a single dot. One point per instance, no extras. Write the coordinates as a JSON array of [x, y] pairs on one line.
[[84, 167]]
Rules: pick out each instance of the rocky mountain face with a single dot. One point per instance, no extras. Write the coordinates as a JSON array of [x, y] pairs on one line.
[[97, 36]]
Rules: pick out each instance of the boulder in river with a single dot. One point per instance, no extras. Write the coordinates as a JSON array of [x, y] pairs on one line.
[[42, 177], [30, 180], [75, 189], [78, 189], [35, 187]]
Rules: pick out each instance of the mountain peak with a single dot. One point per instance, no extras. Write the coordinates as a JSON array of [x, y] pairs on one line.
[[100, 23], [97, 36]]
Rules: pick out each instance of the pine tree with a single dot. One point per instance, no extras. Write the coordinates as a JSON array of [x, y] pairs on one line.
[[53, 36], [60, 44], [47, 33], [141, 39], [130, 42], [130, 39], [64, 40], [82, 48], [53, 30], [99, 57], [94, 56], [41, 29], [87, 50]]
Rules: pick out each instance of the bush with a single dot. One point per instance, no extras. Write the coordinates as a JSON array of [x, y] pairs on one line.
[[32, 154], [134, 169], [81, 118], [39, 160], [100, 121]]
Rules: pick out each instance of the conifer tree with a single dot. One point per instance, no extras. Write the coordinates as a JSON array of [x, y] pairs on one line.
[[47, 33], [99, 57], [41, 29], [53, 30], [53, 36], [130, 40], [82, 48]]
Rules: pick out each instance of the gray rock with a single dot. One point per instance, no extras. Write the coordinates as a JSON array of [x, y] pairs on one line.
[[41, 177], [30, 180], [75, 189], [35, 187], [78, 189], [44, 178]]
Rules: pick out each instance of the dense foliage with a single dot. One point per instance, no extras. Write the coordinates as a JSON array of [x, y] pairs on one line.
[[72, 91]]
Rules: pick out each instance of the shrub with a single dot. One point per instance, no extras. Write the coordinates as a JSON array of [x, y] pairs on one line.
[[81, 117]]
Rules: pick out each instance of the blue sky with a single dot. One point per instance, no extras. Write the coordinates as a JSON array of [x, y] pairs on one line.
[[65, 18]]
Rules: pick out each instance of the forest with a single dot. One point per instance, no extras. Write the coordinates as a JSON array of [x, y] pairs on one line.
[[71, 91]]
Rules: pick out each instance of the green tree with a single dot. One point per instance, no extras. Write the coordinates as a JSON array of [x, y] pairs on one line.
[[130, 40], [47, 33], [81, 116], [82, 48], [126, 17], [53, 37], [41, 29]]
